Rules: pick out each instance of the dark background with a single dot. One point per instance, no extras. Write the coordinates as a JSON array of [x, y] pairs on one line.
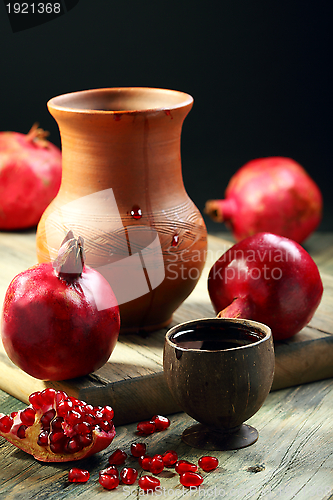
[[259, 72]]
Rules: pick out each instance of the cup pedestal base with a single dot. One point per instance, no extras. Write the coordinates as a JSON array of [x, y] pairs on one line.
[[205, 438]]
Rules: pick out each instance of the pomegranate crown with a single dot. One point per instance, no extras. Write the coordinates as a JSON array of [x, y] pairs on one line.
[[71, 256]]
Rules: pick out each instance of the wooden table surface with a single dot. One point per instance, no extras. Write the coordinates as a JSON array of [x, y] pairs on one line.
[[292, 459]]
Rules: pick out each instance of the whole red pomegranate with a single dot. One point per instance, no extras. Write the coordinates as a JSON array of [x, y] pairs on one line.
[[273, 194], [267, 278], [30, 176], [60, 320], [59, 428]]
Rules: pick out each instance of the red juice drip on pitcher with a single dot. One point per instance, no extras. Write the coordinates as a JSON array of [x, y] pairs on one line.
[[136, 212], [175, 240]]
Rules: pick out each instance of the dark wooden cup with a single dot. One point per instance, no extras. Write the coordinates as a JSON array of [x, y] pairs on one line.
[[221, 381]]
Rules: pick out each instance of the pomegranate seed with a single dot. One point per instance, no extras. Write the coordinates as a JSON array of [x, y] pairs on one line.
[[128, 475], [21, 431], [28, 416], [58, 447], [208, 463], [6, 423], [112, 471], [56, 424], [149, 483], [60, 395], [169, 457], [105, 425], [36, 400], [118, 457], [189, 479], [73, 417], [108, 412], [78, 475], [144, 462], [76, 401], [98, 416], [46, 418], [64, 407], [73, 445], [108, 481], [138, 449], [13, 414], [89, 418], [146, 427], [43, 438], [82, 428], [56, 436], [156, 464], [161, 422], [185, 466], [86, 439], [47, 396]]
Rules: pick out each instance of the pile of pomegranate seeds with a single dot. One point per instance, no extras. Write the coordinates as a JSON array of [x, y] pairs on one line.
[[111, 477]]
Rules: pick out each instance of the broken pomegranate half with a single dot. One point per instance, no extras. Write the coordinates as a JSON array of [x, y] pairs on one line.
[[56, 427]]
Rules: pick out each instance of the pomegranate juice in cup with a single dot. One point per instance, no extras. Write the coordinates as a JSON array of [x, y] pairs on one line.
[[220, 372]]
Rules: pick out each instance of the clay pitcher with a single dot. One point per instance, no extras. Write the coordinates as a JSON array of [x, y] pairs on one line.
[[122, 190]]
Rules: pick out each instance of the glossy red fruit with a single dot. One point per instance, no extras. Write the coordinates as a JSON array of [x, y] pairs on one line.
[[156, 464], [128, 475], [144, 462], [185, 466], [118, 457], [149, 483], [146, 427], [169, 457], [189, 479], [161, 423], [60, 320], [267, 278], [78, 475], [273, 194], [111, 471], [30, 176], [51, 436], [138, 449], [108, 481], [208, 463]]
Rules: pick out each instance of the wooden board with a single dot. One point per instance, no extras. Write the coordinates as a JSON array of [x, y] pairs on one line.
[[292, 459], [132, 381]]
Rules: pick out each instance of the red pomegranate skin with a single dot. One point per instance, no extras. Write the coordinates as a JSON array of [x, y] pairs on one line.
[[54, 329], [267, 278], [273, 194], [30, 177]]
